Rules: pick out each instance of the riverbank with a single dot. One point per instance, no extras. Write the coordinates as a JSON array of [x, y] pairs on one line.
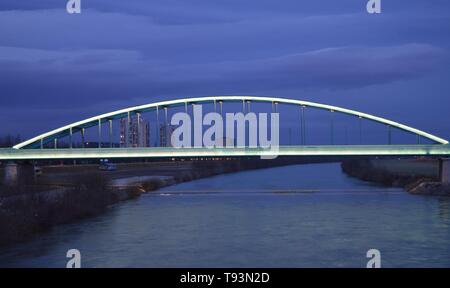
[[416, 176], [65, 194], [238, 215]]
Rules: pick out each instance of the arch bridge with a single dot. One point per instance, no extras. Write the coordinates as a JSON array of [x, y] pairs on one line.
[[35, 148]]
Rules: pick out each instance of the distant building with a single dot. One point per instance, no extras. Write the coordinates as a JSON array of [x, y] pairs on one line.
[[134, 134], [165, 135], [123, 133]]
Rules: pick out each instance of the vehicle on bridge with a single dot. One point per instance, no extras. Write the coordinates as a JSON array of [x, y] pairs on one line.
[[105, 165]]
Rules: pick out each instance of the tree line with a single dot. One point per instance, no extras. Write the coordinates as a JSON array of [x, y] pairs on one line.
[[9, 141]]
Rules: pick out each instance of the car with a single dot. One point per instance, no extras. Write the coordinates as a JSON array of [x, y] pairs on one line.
[[107, 167], [37, 171]]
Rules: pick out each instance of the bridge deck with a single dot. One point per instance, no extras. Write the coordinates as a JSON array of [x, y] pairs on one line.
[[152, 152]]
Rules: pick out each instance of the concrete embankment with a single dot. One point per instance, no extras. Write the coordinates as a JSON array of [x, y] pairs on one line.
[[417, 176]]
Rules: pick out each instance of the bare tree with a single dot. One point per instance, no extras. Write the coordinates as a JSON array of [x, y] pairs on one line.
[[9, 141]]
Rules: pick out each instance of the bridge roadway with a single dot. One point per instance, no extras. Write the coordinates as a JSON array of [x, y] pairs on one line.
[[436, 150]]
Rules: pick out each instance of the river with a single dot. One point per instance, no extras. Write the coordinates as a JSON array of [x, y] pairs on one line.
[[294, 216]]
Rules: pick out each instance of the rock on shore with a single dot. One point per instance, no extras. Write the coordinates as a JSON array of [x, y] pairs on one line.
[[429, 188], [415, 176]]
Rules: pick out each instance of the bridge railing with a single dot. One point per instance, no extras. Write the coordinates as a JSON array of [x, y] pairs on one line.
[[168, 152]]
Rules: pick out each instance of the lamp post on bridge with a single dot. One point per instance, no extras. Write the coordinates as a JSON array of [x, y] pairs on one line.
[[83, 140], [360, 118], [99, 133], [302, 125], [110, 133], [71, 137], [166, 128], [158, 136], [138, 128], [332, 127], [389, 128]]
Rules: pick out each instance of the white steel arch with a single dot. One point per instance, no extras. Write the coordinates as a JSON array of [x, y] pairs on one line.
[[136, 109]]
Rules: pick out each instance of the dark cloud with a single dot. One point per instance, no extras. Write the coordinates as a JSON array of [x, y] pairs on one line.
[[119, 53], [49, 78]]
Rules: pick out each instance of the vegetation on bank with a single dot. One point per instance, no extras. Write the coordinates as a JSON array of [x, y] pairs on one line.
[[364, 169], [29, 208], [32, 210], [420, 180], [9, 141]]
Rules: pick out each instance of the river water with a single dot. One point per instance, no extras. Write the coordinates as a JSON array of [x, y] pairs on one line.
[[295, 216]]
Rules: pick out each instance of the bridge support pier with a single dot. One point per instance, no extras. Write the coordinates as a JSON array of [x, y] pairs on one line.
[[11, 174], [444, 170], [19, 174]]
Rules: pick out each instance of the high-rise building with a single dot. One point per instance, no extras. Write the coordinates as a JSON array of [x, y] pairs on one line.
[[134, 134], [165, 135]]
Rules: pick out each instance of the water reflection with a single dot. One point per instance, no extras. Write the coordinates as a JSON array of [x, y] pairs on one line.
[[296, 216], [444, 208]]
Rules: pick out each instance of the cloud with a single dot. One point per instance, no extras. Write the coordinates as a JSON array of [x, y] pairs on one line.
[[34, 77], [119, 53], [230, 35]]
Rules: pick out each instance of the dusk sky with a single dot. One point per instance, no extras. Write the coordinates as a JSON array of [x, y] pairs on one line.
[[56, 68]]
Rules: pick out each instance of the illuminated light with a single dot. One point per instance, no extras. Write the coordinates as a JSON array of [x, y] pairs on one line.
[[230, 153], [274, 100]]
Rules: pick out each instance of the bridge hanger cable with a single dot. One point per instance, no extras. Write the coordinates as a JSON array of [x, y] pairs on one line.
[[97, 120]]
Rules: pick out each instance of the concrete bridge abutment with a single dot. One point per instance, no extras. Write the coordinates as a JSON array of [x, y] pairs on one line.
[[444, 170], [16, 174], [11, 174]]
